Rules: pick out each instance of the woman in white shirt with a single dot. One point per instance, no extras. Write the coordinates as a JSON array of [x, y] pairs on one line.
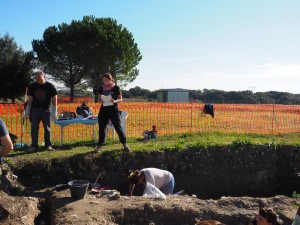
[[162, 179]]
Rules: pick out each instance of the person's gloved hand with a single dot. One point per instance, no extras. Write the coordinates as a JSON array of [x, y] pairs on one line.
[[54, 113], [27, 110]]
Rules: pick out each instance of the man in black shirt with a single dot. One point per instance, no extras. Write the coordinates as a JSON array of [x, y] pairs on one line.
[[42, 102]]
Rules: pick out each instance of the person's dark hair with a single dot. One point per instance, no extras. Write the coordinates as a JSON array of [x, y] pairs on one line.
[[108, 76], [134, 177], [269, 214]]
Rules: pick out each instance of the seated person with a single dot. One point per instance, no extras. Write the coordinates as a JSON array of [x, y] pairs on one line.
[[162, 179], [265, 216]]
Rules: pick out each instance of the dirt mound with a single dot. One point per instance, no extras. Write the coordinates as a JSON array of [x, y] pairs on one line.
[[175, 210], [17, 210]]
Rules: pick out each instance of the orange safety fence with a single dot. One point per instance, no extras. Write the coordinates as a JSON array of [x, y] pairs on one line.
[[171, 118]]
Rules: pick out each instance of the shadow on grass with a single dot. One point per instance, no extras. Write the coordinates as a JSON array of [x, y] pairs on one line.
[[69, 146], [19, 151]]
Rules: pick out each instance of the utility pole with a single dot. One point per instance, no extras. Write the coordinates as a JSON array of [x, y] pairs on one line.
[[252, 88]]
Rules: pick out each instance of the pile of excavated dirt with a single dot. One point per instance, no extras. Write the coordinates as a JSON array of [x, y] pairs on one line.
[[15, 208], [175, 210], [18, 210]]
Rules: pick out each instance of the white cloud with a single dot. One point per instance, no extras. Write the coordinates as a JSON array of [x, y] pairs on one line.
[[258, 78], [273, 70]]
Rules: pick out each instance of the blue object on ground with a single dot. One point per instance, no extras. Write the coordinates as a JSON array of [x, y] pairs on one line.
[[21, 144], [154, 135]]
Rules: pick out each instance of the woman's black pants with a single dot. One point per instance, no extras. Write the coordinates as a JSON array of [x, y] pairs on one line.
[[110, 113]]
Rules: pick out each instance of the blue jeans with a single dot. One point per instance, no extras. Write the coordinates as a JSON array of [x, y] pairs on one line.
[[169, 187], [38, 115]]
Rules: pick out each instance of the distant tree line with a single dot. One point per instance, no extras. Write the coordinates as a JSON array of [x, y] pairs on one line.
[[244, 97], [212, 96], [220, 96]]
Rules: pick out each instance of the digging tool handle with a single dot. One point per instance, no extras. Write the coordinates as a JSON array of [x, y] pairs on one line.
[[97, 178]]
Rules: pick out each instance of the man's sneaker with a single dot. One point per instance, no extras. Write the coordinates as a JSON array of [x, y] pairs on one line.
[[30, 149], [99, 148], [126, 148], [50, 148]]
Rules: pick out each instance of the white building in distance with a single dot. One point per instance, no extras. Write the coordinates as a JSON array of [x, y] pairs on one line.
[[173, 95]]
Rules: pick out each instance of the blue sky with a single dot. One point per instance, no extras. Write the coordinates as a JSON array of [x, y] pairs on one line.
[[229, 45]]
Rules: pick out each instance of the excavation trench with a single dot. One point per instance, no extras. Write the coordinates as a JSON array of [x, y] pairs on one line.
[[208, 173]]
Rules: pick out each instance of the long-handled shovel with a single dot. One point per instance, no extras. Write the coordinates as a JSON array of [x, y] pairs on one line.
[[95, 184], [96, 188]]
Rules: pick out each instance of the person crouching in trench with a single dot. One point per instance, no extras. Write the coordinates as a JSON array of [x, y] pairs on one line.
[[162, 179]]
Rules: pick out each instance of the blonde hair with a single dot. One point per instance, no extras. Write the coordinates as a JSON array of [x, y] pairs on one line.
[[134, 177], [108, 76]]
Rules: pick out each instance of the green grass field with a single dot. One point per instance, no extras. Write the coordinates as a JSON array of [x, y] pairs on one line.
[[176, 142]]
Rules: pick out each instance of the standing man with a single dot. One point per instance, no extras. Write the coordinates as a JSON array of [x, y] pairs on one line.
[[42, 102], [5, 140]]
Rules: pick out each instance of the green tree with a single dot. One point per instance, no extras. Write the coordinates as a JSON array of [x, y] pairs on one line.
[[87, 48], [58, 54], [264, 98], [295, 99], [246, 97], [125, 94], [152, 95], [108, 47], [195, 95], [15, 69], [139, 92]]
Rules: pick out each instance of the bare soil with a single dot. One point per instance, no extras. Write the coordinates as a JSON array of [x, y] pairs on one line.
[[196, 171], [175, 210], [94, 209]]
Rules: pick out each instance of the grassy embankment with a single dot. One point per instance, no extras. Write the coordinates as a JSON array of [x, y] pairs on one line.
[[163, 143]]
